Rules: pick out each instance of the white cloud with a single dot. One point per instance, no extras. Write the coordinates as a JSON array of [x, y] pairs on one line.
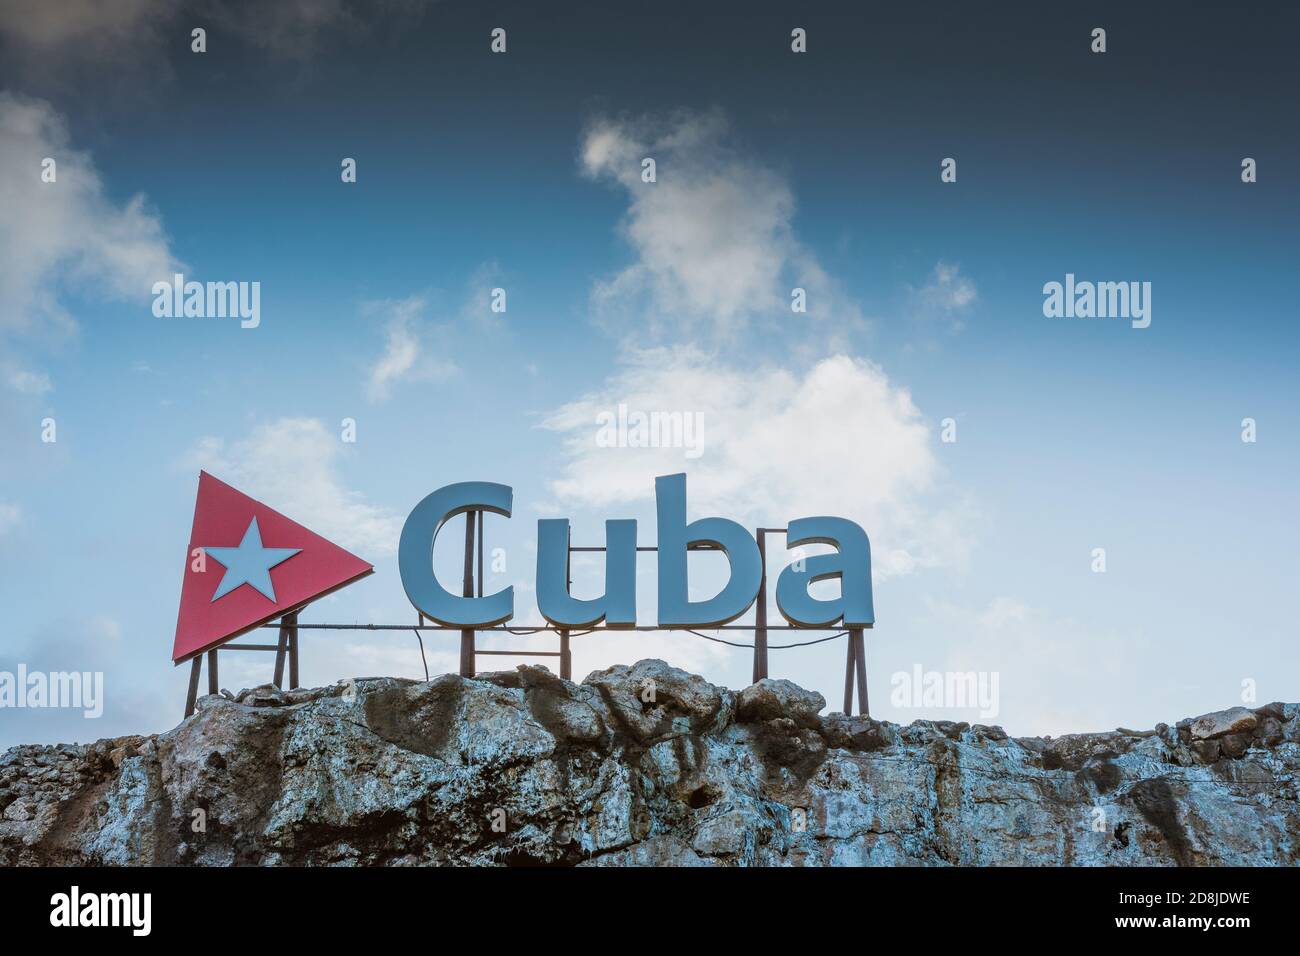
[[10, 515], [838, 439], [27, 382], [946, 295], [713, 238], [292, 464], [84, 23], [292, 28], [66, 33], [65, 235], [716, 255], [406, 348], [799, 428]]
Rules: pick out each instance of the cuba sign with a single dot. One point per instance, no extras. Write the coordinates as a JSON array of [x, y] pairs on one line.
[[849, 563]]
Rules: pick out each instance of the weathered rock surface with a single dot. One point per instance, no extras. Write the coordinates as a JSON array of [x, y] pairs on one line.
[[643, 765], [1235, 720]]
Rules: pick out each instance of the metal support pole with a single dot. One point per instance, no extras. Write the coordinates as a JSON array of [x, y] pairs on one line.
[[860, 659], [213, 686], [566, 657], [467, 634], [281, 649], [480, 554], [760, 612], [292, 621], [848, 676], [193, 694]]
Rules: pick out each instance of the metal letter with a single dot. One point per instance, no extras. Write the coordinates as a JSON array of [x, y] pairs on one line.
[[676, 537], [415, 556], [851, 564], [618, 604]]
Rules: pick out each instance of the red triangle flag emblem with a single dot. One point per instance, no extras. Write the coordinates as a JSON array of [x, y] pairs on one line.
[[247, 565]]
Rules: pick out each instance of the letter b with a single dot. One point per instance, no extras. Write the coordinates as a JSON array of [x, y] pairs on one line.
[[676, 538]]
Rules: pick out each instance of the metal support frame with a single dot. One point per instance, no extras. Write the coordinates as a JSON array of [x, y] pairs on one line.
[[287, 646], [472, 586]]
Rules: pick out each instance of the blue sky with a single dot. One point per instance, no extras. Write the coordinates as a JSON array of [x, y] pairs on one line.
[[773, 170]]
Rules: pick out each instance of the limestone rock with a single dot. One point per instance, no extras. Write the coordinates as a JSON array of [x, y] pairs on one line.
[[769, 699], [652, 699], [1235, 720], [643, 765]]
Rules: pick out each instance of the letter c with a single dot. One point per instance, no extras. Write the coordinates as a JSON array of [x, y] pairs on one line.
[[415, 556]]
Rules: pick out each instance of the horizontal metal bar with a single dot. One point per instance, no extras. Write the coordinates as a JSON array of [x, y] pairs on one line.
[[652, 547], [520, 653], [551, 629], [249, 647], [639, 548]]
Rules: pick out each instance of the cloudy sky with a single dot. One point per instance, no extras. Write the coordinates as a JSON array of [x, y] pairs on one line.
[[774, 170]]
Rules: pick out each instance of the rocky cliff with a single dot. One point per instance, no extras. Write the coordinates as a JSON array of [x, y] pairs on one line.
[[644, 765]]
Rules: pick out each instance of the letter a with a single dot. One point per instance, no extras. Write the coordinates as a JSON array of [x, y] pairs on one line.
[[851, 564]]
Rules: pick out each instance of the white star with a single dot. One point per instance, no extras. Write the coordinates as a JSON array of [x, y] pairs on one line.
[[250, 563]]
